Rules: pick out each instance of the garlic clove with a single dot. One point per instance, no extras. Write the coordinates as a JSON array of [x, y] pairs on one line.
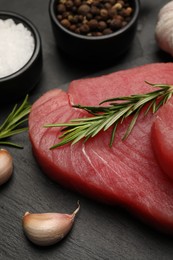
[[46, 229], [6, 166]]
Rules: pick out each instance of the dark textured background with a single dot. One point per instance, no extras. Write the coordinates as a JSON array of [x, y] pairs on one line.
[[100, 232]]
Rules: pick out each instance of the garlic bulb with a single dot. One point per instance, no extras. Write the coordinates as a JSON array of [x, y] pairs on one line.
[[164, 28], [6, 166], [47, 228]]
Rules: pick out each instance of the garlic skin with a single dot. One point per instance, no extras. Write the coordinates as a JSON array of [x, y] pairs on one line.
[[47, 228], [164, 28], [6, 166]]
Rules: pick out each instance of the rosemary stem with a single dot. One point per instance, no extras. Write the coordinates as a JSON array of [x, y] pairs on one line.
[[101, 118]]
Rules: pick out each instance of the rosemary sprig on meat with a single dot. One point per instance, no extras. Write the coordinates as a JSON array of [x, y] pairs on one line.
[[101, 118], [12, 125]]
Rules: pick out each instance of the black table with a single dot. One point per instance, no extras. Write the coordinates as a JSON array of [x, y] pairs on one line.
[[100, 231]]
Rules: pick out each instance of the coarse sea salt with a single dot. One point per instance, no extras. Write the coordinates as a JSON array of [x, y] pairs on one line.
[[16, 46]]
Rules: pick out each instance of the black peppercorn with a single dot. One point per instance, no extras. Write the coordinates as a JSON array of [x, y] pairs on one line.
[[61, 8], [98, 34], [74, 9], [80, 18], [65, 15], [77, 2], [84, 28], [65, 23], [59, 17], [104, 13], [107, 5], [71, 19], [96, 3], [93, 24], [95, 10], [107, 31], [89, 16], [69, 4], [112, 2], [72, 28], [83, 9], [102, 25], [115, 24], [127, 11], [75, 19], [121, 2]]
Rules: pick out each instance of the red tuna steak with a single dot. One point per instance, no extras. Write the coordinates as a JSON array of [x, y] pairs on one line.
[[162, 138], [126, 174]]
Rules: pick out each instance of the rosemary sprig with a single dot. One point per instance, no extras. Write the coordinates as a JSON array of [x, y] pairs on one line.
[[103, 117], [12, 125]]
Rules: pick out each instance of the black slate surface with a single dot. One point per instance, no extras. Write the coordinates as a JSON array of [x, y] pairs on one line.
[[100, 232]]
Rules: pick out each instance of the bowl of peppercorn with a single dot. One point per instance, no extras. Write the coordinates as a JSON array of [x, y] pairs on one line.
[[94, 30]]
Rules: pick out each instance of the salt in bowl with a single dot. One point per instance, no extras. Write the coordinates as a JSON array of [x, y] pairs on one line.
[[19, 82]]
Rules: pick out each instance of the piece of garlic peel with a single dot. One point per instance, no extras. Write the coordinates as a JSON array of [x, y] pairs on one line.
[[164, 28], [6, 166], [46, 229]]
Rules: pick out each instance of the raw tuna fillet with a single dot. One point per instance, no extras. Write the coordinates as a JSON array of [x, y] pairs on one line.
[[126, 174], [162, 138]]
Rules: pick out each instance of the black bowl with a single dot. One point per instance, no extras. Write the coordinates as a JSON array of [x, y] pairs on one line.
[[20, 83], [94, 48]]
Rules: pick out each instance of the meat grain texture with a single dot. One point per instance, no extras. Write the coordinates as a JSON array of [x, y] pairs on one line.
[[162, 138], [128, 173]]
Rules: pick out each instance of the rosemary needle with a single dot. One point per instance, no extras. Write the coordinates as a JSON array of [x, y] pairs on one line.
[[12, 125], [101, 118]]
